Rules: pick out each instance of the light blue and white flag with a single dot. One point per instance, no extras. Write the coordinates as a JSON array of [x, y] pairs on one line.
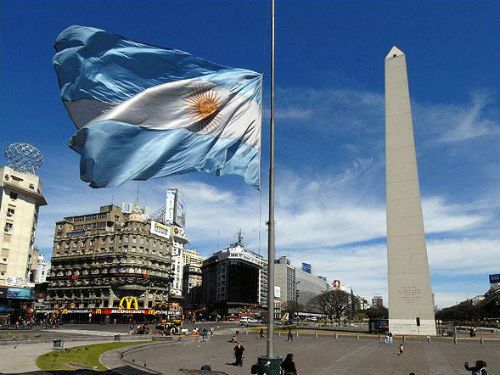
[[144, 112]]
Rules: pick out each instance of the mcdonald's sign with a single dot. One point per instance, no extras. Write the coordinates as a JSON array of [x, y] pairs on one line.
[[127, 302]]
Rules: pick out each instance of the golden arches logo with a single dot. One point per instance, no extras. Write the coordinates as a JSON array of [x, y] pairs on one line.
[[127, 302], [98, 311]]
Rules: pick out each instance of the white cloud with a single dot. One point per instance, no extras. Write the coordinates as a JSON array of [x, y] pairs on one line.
[[459, 123], [465, 256]]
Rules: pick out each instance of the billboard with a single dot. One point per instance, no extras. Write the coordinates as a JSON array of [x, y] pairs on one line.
[[277, 292], [20, 293], [19, 282], [180, 210], [306, 267], [495, 278], [175, 208], [159, 229]]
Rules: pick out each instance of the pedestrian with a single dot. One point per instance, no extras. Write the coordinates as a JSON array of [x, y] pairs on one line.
[[204, 334], [261, 333], [290, 334], [391, 337], [212, 329], [288, 365], [238, 354], [401, 349], [478, 369]]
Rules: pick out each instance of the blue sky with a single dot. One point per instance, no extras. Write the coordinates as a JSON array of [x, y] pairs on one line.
[[329, 128]]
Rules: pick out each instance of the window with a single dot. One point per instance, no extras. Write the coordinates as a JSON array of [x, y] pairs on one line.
[[32, 187], [10, 212], [8, 228], [13, 196]]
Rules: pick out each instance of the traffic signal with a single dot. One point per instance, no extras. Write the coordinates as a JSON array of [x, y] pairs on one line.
[[297, 294]]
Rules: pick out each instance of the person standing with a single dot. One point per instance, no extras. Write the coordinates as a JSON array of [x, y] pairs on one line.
[[401, 349], [290, 334], [478, 369], [288, 365], [212, 329], [261, 333], [238, 354]]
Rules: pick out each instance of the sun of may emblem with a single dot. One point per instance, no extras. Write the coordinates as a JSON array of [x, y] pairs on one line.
[[204, 105]]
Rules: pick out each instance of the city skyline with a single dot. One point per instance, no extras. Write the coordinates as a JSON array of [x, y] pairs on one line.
[[330, 128]]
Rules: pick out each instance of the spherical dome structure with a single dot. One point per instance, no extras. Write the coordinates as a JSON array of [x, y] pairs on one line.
[[24, 157]]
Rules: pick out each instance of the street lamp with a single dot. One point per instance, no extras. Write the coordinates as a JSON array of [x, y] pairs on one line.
[[297, 295]]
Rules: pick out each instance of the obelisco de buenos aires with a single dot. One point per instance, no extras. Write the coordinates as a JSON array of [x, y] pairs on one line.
[[411, 308]]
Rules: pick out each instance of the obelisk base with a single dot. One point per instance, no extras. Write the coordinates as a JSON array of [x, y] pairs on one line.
[[410, 327]]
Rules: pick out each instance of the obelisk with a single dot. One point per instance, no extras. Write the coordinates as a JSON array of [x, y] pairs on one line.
[[411, 308]]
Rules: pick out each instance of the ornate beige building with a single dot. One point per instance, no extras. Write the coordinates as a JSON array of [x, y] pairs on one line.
[[99, 258]]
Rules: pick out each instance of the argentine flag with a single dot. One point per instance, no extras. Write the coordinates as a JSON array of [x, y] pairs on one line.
[[145, 112]]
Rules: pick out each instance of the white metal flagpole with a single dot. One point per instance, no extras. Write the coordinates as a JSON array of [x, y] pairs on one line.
[[270, 239]]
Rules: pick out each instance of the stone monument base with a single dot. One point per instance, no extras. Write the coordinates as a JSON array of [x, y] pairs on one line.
[[409, 327]]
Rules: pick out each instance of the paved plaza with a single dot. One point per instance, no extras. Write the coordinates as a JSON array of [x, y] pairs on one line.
[[323, 356]]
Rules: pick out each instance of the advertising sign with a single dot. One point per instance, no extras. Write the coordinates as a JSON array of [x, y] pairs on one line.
[[277, 292], [18, 282], [306, 267], [20, 293], [129, 302], [159, 229], [495, 278], [170, 206], [175, 211], [180, 210]]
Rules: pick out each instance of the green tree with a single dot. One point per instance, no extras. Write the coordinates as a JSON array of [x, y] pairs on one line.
[[377, 312], [333, 303]]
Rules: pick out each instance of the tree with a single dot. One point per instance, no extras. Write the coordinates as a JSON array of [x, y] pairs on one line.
[[377, 312], [293, 307], [332, 303]]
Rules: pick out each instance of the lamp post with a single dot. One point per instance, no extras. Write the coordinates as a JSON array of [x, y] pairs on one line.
[[297, 295]]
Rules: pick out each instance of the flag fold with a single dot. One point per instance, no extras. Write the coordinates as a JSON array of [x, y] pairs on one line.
[[145, 112]]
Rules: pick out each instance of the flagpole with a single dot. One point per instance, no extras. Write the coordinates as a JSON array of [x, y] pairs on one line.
[[270, 239]]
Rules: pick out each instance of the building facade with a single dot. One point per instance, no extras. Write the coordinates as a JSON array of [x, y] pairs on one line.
[[234, 279], [100, 258], [192, 279], [20, 199], [293, 279]]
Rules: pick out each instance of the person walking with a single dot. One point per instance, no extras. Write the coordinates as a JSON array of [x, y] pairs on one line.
[[290, 334], [204, 334], [212, 329], [238, 354], [288, 365], [401, 349], [261, 333], [478, 369]]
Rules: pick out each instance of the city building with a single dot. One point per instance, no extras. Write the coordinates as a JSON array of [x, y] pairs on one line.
[[234, 280], [40, 267], [113, 260], [297, 284], [20, 199], [192, 279], [377, 301]]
